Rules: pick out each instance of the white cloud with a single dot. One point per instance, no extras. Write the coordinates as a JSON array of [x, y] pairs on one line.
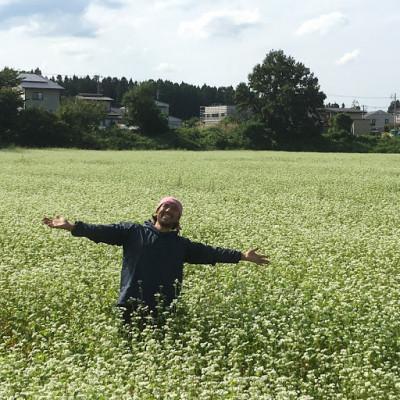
[[160, 5], [348, 57], [220, 23], [165, 67], [30, 26], [323, 24], [105, 19]]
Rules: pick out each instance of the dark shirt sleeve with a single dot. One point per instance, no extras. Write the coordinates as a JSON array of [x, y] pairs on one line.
[[199, 253], [115, 234]]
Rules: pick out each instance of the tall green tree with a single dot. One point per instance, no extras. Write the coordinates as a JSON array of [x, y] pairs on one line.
[[285, 96], [82, 119], [10, 102], [142, 110], [391, 106], [9, 78]]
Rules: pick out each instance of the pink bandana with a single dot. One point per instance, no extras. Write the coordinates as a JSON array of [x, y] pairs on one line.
[[171, 200]]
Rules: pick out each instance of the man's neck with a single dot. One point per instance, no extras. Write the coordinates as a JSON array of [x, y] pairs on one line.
[[162, 228]]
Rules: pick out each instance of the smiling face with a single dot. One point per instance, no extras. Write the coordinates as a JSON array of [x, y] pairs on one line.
[[168, 215]]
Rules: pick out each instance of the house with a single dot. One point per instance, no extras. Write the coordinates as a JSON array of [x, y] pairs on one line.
[[114, 114], [379, 119], [363, 123], [173, 122], [361, 127], [39, 92], [211, 115], [163, 107], [327, 113]]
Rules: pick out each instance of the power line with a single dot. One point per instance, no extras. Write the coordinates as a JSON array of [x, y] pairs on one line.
[[357, 97]]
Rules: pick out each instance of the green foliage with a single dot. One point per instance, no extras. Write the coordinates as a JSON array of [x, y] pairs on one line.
[[341, 123], [228, 134], [39, 128], [81, 114], [10, 102], [285, 96], [114, 138], [391, 106], [321, 322], [143, 112], [8, 78], [83, 119], [387, 145]]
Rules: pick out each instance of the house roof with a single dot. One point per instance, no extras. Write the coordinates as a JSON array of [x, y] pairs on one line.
[[33, 81], [378, 112], [341, 110], [94, 97], [174, 119]]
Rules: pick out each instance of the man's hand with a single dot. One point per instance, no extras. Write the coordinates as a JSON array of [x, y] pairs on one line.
[[58, 223], [252, 256]]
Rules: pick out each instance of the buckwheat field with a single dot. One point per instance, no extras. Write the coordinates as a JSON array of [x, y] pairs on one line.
[[322, 321]]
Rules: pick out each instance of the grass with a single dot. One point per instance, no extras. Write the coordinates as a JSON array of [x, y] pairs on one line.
[[321, 322]]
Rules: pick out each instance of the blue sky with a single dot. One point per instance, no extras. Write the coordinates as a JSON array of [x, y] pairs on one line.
[[350, 45]]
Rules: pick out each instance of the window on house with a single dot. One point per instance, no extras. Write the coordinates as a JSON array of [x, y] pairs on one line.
[[386, 121], [37, 96], [373, 122], [215, 115], [222, 114]]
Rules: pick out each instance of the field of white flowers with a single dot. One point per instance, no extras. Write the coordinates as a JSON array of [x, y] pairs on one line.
[[322, 321]]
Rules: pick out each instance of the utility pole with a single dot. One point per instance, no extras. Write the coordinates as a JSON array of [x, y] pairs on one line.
[[394, 113], [97, 79]]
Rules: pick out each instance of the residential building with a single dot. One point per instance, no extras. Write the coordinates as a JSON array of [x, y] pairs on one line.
[[327, 113], [163, 107], [363, 122], [379, 119], [361, 127], [211, 115], [40, 92], [114, 114], [173, 122]]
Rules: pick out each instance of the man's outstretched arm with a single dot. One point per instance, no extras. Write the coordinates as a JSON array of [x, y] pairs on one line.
[[199, 253], [114, 234], [58, 223], [253, 256]]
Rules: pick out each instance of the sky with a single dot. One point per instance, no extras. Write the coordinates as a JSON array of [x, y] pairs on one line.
[[351, 46]]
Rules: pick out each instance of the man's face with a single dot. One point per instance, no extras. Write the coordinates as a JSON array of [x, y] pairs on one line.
[[168, 215]]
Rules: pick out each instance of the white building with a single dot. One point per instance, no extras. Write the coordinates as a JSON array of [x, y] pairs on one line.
[[211, 115]]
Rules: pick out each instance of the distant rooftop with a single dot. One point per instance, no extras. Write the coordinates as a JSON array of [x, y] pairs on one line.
[[93, 96], [161, 103], [378, 112], [33, 81], [342, 110]]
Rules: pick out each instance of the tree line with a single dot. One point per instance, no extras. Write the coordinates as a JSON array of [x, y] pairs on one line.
[[279, 107], [184, 99]]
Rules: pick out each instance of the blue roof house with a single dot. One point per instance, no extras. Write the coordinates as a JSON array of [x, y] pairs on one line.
[[40, 92]]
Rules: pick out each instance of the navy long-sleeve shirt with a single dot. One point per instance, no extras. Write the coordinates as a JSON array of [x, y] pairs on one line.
[[152, 260]]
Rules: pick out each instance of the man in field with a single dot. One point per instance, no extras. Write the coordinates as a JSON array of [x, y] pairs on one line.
[[153, 254]]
